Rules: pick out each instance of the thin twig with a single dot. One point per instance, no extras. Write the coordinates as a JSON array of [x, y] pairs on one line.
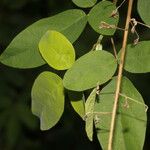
[[115, 12], [114, 48], [133, 30], [121, 4], [140, 23], [143, 24], [119, 78]]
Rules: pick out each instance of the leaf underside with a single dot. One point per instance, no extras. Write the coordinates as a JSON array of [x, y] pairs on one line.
[[57, 50], [48, 99], [130, 121], [89, 118]]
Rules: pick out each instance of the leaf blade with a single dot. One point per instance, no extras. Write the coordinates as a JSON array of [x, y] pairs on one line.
[[57, 50], [143, 8], [89, 112], [47, 99], [137, 58], [102, 13], [93, 68], [23, 51], [126, 120], [77, 101], [84, 3]]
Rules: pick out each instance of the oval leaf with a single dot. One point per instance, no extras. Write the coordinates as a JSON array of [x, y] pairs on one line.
[[101, 13], [23, 50], [131, 118], [48, 99], [56, 50], [93, 68], [138, 57], [143, 9], [84, 3]]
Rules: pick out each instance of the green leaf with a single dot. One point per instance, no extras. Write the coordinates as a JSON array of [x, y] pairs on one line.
[[130, 120], [138, 57], [93, 68], [23, 50], [77, 102], [56, 50], [48, 99], [84, 3], [102, 13], [143, 9], [89, 110]]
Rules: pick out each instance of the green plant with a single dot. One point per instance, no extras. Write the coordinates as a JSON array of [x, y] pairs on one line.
[[114, 106]]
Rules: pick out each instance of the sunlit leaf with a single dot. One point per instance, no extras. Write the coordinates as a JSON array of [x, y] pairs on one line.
[[56, 50], [93, 68], [130, 121], [48, 99], [23, 50], [84, 3], [102, 13], [89, 114], [143, 9]]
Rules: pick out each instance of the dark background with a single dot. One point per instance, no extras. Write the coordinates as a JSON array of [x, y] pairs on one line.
[[19, 129]]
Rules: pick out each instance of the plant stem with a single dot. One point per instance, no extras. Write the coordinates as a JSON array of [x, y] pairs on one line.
[[143, 24], [114, 48], [119, 78]]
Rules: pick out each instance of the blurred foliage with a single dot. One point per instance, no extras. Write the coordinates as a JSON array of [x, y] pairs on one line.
[[19, 129]]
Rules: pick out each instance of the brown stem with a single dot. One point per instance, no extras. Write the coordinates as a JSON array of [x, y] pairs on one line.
[[119, 78], [114, 48], [143, 24]]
